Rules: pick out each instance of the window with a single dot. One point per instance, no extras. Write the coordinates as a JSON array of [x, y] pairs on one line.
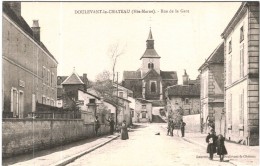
[[230, 109], [230, 70], [121, 94], [150, 65], [241, 33], [230, 46], [92, 100], [143, 114], [153, 87], [8, 35], [132, 114], [43, 74], [24, 48], [242, 61], [43, 100], [186, 101], [143, 106]]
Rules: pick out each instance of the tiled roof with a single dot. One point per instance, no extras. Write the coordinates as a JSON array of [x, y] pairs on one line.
[[169, 75], [132, 75], [72, 79], [23, 25], [217, 56], [150, 53], [184, 90]]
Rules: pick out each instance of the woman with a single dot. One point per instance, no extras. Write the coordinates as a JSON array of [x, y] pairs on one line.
[[221, 149], [211, 140], [124, 132]]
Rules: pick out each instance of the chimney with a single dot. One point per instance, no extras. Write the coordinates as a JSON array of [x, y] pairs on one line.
[[36, 30], [185, 78], [15, 7], [85, 81]]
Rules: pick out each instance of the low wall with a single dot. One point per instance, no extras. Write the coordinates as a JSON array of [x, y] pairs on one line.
[[27, 135], [192, 123]]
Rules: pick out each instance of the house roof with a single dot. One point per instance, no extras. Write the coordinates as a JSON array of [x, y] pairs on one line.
[[217, 56], [158, 103], [184, 90], [72, 79], [169, 75], [132, 74], [20, 22], [238, 15], [143, 100], [90, 94]]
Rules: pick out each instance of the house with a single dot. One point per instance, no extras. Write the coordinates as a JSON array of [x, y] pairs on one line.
[[29, 69], [143, 111], [183, 99], [149, 81], [241, 70], [212, 91]]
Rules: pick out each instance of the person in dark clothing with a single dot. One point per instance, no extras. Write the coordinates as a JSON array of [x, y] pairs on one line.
[[97, 125], [182, 125], [211, 140], [171, 127], [124, 132], [112, 125], [221, 149]]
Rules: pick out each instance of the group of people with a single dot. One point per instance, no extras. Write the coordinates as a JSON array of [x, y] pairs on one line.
[[124, 132], [171, 126], [216, 145]]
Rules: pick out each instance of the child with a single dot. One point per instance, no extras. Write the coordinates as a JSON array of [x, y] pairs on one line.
[[221, 149]]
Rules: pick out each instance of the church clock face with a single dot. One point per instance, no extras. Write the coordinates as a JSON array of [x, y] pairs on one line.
[[150, 60]]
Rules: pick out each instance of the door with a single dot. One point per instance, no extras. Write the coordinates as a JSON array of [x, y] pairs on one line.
[[21, 104]]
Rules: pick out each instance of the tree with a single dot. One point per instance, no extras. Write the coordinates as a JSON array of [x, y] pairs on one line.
[[114, 52], [103, 84]]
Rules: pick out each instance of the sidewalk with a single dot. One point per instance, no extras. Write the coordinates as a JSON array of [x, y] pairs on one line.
[[237, 154], [60, 155]]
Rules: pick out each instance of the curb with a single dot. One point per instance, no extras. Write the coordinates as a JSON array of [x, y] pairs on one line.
[[74, 157]]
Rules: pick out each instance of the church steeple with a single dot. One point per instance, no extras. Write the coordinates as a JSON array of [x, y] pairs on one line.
[[150, 41]]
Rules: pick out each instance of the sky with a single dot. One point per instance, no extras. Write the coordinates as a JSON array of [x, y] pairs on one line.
[[185, 33]]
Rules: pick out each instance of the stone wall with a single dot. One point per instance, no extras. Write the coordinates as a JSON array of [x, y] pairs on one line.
[[26, 135]]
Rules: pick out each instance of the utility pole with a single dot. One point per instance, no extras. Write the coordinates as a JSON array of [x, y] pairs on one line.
[[116, 95]]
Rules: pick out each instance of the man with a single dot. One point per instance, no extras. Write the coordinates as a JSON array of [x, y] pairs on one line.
[[97, 125], [182, 125], [111, 124]]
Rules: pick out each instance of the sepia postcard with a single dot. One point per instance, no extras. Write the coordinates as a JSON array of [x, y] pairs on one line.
[[130, 83]]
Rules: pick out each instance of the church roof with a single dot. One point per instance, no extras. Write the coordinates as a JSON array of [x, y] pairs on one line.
[[150, 36], [72, 79], [132, 74], [150, 53], [169, 75], [184, 90]]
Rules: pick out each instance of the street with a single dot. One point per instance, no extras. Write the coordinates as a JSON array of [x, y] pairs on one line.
[[144, 147]]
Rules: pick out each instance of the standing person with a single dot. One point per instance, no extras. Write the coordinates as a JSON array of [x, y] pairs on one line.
[[182, 125], [97, 125], [211, 140], [111, 124], [124, 132], [169, 127], [221, 149]]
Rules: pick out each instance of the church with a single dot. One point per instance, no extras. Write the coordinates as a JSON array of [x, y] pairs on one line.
[[149, 82]]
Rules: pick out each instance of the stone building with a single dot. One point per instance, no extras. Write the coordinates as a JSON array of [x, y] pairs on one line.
[[29, 69], [212, 91], [241, 69], [183, 98]]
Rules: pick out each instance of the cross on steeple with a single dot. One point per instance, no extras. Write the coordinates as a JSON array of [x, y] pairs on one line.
[[150, 22]]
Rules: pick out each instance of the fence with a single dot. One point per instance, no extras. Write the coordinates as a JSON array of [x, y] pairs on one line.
[[55, 115]]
